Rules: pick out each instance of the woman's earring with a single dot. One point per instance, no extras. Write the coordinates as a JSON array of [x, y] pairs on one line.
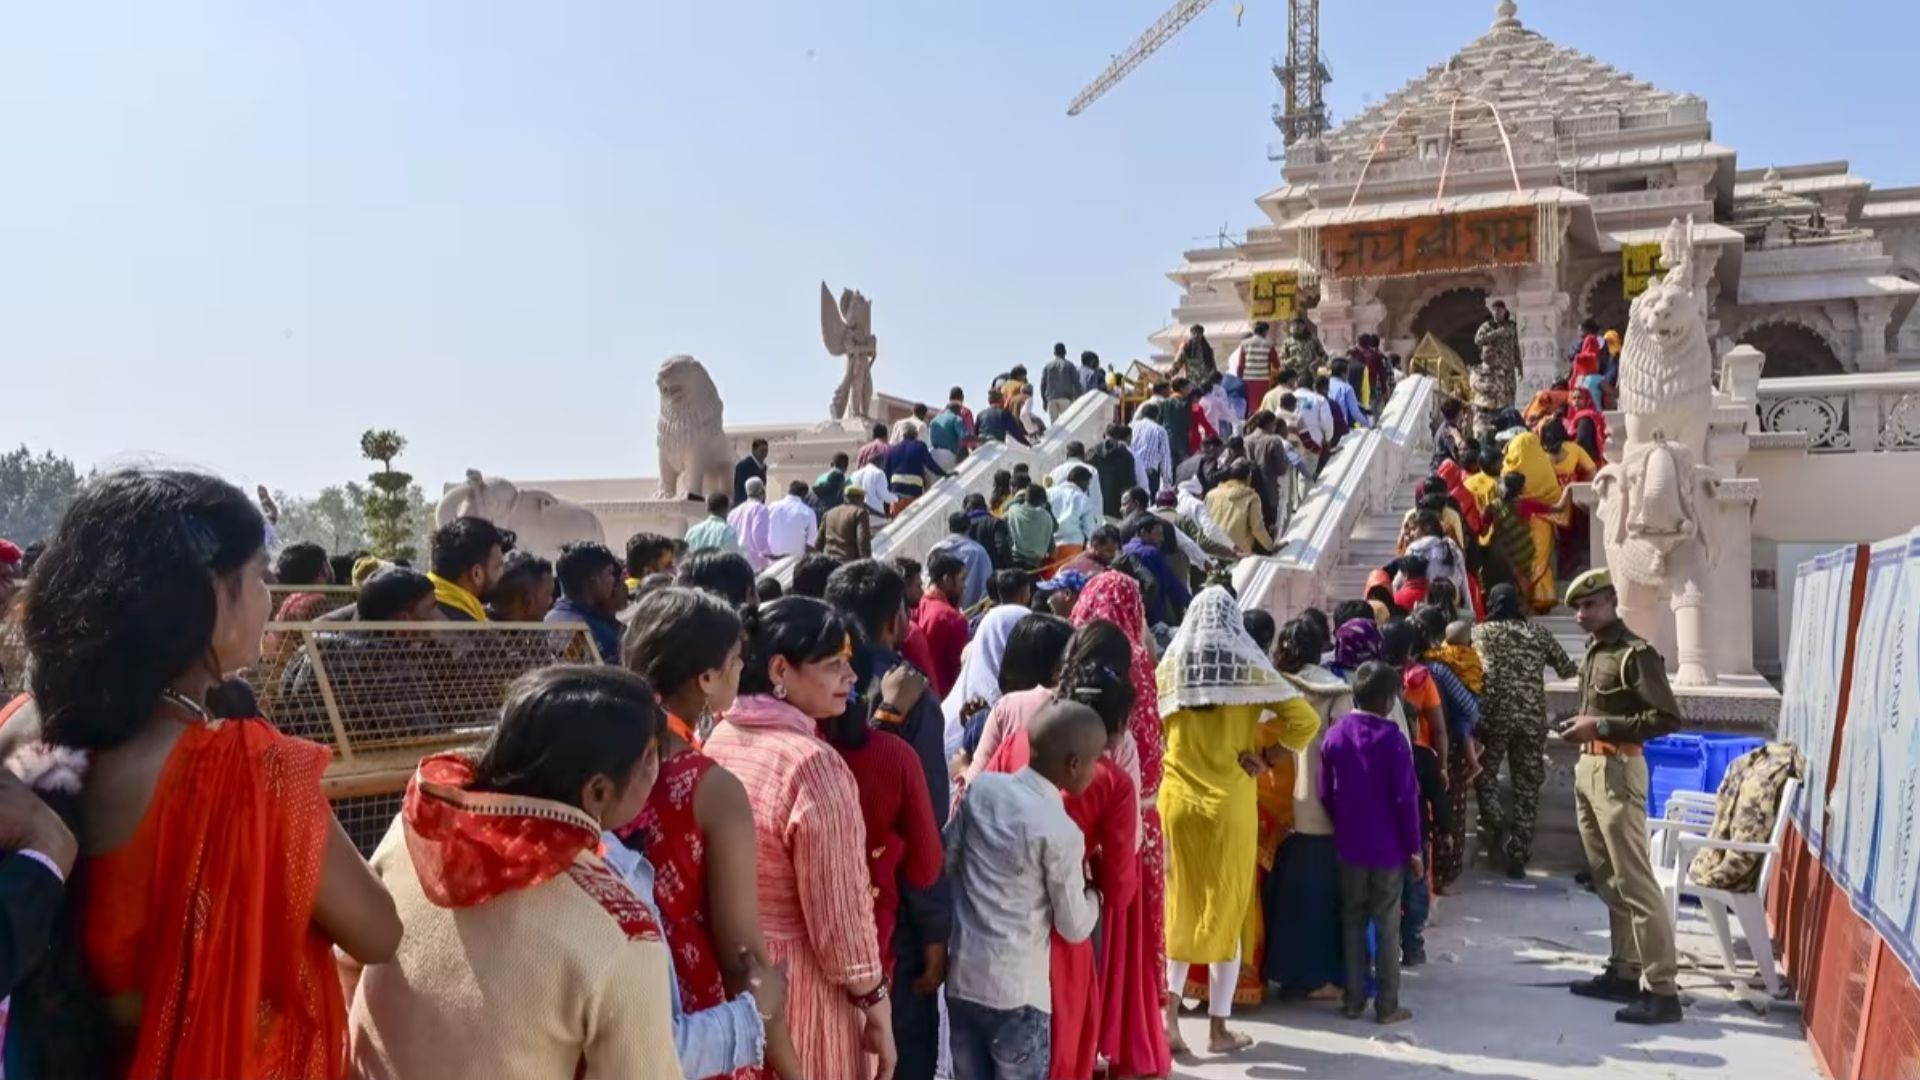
[[780, 691]]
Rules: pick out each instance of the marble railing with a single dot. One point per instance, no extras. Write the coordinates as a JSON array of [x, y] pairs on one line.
[[1359, 480], [1841, 414], [919, 527]]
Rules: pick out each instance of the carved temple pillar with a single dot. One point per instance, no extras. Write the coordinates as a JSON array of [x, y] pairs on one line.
[[1369, 314], [1336, 316], [1541, 308], [1875, 315]]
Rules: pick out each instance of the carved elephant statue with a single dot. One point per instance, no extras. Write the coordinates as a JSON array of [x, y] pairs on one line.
[[542, 521]]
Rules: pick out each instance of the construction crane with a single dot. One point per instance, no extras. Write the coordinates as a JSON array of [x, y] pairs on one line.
[[1304, 74]]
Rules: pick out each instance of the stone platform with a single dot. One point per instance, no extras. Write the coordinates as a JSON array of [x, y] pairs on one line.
[[1492, 1004]]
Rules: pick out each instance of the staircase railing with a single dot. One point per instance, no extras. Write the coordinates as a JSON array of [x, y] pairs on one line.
[[915, 531], [1360, 479]]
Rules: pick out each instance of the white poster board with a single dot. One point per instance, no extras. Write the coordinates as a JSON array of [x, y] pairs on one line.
[[1856, 794], [1814, 657], [1896, 875]]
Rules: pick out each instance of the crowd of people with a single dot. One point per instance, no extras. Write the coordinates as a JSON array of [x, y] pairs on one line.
[[996, 814]]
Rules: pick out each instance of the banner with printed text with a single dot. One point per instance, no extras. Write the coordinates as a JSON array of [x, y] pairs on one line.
[[1274, 295], [1815, 660], [1442, 243], [1639, 265], [1894, 897], [1856, 802]]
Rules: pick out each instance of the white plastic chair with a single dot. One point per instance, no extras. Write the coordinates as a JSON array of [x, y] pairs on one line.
[[1685, 812], [1749, 907]]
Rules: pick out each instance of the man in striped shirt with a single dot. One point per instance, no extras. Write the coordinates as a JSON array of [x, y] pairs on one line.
[[1254, 362]]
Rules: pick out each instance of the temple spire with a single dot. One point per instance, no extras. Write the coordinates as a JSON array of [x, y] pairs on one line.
[[1506, 16]]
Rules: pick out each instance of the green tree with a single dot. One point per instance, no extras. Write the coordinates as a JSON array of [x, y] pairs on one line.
[[34, 492], [389, 504], [334, 519]]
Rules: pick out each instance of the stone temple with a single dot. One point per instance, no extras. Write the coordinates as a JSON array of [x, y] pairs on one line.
[[1554, 161]]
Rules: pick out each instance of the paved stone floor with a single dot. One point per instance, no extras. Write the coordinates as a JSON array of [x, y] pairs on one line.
[[1492, 1004]]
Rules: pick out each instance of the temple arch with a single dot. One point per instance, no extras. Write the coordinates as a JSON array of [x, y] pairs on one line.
[[1606, 302], [1792, 348], [1452, 315]]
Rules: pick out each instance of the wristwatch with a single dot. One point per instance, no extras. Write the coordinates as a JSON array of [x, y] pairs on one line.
[[888, 714], [869, 999]]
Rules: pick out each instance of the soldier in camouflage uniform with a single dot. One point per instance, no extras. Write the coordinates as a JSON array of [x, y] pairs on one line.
[[1496, 378], [1624, 701], [1302, 352], [1513, 722]]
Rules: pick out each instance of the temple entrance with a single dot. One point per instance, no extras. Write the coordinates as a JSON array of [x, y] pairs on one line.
[[1452, 317], [1607, 304], [1792, 349]]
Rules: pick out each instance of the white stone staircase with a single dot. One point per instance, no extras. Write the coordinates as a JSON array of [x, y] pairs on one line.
[[1371, 543]]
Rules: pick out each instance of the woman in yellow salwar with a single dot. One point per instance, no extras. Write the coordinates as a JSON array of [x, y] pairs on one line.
[[1273, 805], [1542, 461], [1229, 715]]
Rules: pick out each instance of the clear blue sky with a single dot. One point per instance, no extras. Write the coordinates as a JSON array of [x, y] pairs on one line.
[[237, 235]]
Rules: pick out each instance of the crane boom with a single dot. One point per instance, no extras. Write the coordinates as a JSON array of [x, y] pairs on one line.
[[1171, 23]]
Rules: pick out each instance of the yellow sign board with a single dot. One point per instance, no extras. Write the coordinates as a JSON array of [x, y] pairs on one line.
[[1639, 264], [1275, 294]]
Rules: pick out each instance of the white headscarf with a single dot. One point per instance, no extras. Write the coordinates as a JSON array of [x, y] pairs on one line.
[[980, 670], [1214, 661]]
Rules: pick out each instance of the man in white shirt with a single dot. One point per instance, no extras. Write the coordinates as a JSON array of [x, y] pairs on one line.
[[917, 423], [1316, 423], [749, 521], [1073, 512], [1188, 502], [872, 479], [792, 526], [1219, 410], [1015, 861], [1152, 453], [1077, 459]]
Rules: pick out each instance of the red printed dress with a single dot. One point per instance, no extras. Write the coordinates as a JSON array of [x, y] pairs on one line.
[[678, 852], [1133, 941]]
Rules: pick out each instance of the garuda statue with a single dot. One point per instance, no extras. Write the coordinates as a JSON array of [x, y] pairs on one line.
[[847, 329], [1653, 501]]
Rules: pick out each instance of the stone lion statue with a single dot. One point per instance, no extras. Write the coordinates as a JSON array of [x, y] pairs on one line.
[[542, 521], [1658, 533], [695, 457]]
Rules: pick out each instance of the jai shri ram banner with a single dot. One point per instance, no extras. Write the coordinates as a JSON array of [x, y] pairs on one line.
[[1442, 243], [1274, 293], [1638, 264]]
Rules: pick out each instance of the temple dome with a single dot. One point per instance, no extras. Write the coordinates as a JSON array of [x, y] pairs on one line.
[[1543, 92]]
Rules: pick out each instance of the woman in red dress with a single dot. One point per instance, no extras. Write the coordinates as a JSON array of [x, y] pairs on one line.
[[697, 827], [1095, 673], [1133, 941]]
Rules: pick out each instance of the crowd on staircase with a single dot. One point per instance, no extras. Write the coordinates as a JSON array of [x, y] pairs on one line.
[[997, 813]]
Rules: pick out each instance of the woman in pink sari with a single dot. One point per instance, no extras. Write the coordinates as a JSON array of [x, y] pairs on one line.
[[1133, 944]]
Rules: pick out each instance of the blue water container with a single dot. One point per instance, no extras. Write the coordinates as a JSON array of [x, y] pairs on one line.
[[1674, 763], [1722, 751]]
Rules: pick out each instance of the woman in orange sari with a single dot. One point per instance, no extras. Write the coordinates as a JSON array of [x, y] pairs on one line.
[[215, 881]]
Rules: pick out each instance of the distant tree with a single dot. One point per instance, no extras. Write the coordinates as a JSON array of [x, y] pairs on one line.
[[390, 503], [334, 519], [34, 492]]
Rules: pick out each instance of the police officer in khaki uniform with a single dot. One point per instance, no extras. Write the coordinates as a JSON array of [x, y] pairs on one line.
[[1624, 701]]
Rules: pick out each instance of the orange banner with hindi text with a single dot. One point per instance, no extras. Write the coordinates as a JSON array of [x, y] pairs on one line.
[[1438, 244]]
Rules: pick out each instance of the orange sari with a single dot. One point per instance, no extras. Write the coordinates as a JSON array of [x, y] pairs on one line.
[[203, 921]]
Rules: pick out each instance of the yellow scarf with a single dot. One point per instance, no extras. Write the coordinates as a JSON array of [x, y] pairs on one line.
[[457, 597]]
